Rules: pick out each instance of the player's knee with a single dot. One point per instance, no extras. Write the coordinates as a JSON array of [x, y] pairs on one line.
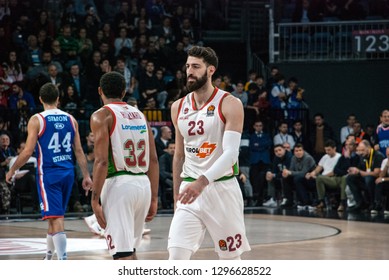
[[176, 253]]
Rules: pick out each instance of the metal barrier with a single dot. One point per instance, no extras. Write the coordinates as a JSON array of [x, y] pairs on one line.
[[331, 41]]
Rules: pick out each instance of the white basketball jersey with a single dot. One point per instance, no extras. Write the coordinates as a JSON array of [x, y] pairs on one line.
[[202, 130], [129, 140]]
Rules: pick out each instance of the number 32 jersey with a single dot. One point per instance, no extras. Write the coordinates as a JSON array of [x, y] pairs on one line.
[[54, 148], [202, 130], [129, 140]]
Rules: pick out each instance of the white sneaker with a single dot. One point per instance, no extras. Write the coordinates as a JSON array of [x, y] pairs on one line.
[[386, 212], [302, 207], [312, 208], [284, 201], [270, 203]]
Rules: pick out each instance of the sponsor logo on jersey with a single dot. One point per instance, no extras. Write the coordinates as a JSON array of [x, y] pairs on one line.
[[211, 111], [205, 150], [59, 125], [223, 245], [140, 128], [186, 110]]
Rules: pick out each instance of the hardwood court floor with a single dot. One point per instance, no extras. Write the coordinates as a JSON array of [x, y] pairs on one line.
[[273, 235]]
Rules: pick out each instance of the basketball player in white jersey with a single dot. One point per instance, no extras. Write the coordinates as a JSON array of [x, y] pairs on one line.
[[208, 125], [125, 172]]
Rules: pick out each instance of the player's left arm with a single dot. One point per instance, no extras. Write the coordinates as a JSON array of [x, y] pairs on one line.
[[153, 174], [81, 159], [232, 110]]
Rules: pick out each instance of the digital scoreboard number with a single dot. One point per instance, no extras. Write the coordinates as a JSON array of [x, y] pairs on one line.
[[371, 41]]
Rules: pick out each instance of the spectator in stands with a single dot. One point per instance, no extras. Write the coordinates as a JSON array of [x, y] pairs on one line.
[[275, 180], [299, 136], [121, 68], [347, 129], [57, 53], [240, 93], [274, 70], [383, 133], [370, 134], [294, 95], [31, 56], [69, 99], [90, 141], [301, 164], [361, 179], [187, 30], [5, 91], [338, 181], [150, 110], [320, 132], [177, 59], [143, 15], [283, 136], [305, 11], [123, 18], [166, 30], [13, 68], [244, 171], [93, 72], [149, 87], [382, 185], [252, 76], [69, 46], [85, 45], [260, 145], [54, 77], [153, 54], [227, 84], [358, 132], [44, 23], [162, 140], [79, 82], [7, 152], [324, 172], [122, 41], [278, 96], [44, 41], [176, 88], [42, 71], [166, 176]]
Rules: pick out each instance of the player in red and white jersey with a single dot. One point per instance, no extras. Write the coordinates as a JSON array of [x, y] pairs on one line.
[[208, 125], [125, 172]]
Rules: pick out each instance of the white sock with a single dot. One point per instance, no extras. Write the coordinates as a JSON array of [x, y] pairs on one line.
[[50, 247], [59, 240]]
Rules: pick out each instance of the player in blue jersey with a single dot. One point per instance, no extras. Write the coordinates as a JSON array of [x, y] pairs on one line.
[[54, 136]]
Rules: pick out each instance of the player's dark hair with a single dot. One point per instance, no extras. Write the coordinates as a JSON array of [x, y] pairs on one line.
[[49, 93], [113, 84], [206, 53]]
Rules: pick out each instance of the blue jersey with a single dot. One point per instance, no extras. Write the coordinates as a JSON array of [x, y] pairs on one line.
[[383, 138], [54, 148]]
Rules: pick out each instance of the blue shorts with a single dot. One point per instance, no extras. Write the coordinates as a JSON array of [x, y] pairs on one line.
[[54, 190]]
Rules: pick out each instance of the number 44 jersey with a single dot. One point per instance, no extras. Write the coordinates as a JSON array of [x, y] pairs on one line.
[[54, 148]]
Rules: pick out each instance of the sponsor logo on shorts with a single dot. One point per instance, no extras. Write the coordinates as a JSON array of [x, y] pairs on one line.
[[205, 150], [223, 245]]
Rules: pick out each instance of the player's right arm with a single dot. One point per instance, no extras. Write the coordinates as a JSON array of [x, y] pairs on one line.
[[32, 138], [179, 154], [100, 123]]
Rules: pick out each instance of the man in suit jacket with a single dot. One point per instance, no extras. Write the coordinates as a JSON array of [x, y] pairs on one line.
[[161, 142]]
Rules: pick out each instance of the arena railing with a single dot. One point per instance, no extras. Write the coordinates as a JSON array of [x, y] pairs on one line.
[[330, 41]]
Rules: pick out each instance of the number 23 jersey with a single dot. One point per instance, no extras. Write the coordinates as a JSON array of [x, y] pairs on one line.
[[202, 130]]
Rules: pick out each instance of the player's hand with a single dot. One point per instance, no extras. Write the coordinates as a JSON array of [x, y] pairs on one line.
[[98, 211], [153, 210], [193, 190], [87, 185], [9, 177]]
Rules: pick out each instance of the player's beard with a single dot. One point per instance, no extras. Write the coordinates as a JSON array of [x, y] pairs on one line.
[[198, 83]]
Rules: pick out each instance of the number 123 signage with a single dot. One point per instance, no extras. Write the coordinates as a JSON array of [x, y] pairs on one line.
[[371, 41]]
